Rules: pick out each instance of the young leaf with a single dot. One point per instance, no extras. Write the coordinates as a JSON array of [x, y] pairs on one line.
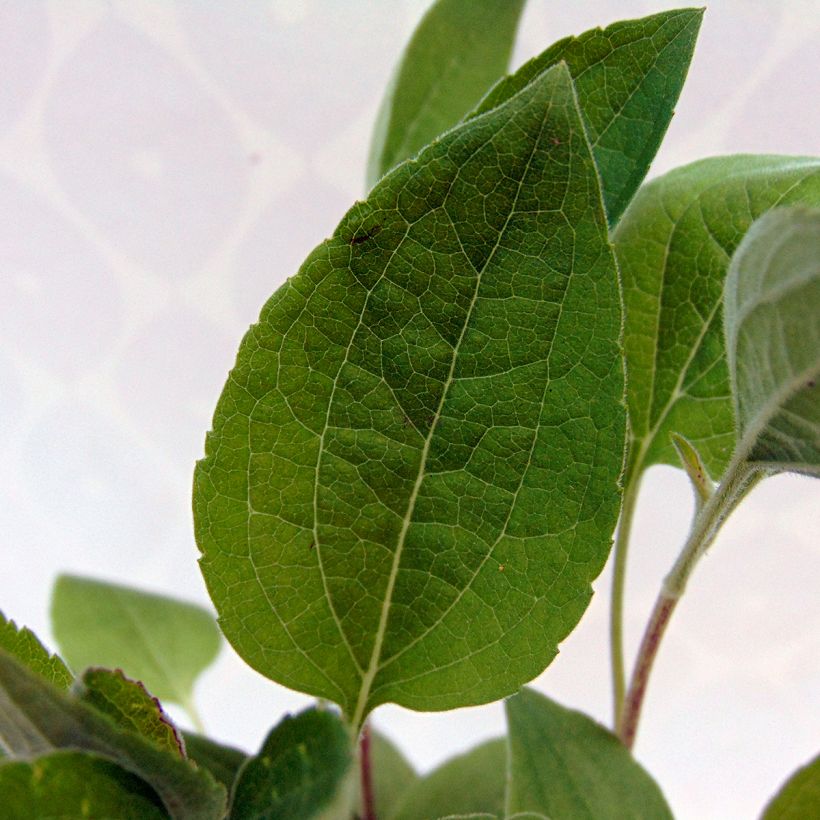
[[37, 718], [413, 474], [299, 769], [799, 797], [75, 784], [223, 762], [160, 641], [392, 774], [568, 767], [772, 319], [674, 244], [130, 706], [628, 78], [472, 783], [459, 49], [25, 646]]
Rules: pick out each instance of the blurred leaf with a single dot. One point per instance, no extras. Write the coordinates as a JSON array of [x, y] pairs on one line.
[[392, 774], [24, 645], [458, 50], [772, 318], [799, 797], [223, 762], [568, 767]]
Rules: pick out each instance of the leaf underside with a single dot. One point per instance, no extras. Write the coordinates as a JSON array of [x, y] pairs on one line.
[[413, 473]]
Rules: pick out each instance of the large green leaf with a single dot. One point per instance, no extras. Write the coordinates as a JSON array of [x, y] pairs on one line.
[[472, 783], [37, 718], [628, 78], [459, 49], [413, 474], [674, 244], [25, 646], [75, 784], [222, 761], [299, 770], [160, 641], [772, 319], [799, 797], [568, 767]]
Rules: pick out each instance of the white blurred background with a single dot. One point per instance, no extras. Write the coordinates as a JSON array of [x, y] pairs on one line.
[[164, 166]]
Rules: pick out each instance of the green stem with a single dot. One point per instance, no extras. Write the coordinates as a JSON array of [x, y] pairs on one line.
[[196, 718]]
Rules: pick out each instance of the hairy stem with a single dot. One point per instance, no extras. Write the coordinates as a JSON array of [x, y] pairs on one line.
[[366, 769]]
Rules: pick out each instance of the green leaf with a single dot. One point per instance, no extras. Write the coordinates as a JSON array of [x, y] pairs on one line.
[[130, 706], [162, 642], [472, 783], [458, 50], [413, 474], [628, 78], [24, 645], [37, 718], [392, 774], [674, 244], [75, 784], [299, 769], [772, 319], [799, 797], [568, 767], [223, 762]]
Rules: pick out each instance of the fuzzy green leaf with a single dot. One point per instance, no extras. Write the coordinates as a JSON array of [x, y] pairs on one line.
[[628, 78], [459, 49], [75, 784], [26, 647], [472, 783], [799, 797], [222, 761], [37, 718], [674, 244], [772, 320], [299, 769], [413, 474], [162, 642], [568, 767]]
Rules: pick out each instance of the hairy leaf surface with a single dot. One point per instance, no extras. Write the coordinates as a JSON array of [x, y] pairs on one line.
[[568, 767], [458, 50], [160, 641], [674, 244], [799, 797], [26, 647], [772, 319], [413, 473]]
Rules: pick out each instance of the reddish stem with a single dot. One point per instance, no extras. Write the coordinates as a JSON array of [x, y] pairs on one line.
[[631, 714], [366, 768]]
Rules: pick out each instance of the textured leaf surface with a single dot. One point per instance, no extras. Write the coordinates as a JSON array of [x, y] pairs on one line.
[[472, 783], [413, 473], [299, 769], [75, 784], [26, 647], [772, 319], [459, 49], [222, 761], [674, 244], [628, 77], [160, 641], [799, 798], [37, 718], [568, 767], [130, 706]]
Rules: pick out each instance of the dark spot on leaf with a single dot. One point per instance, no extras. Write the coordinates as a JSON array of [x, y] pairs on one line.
[[359, 238]]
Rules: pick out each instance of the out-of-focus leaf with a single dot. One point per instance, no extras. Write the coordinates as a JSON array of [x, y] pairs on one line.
[[799, 797], [223, 762]]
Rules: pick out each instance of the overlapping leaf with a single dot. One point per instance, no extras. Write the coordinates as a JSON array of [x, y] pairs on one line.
[[222, 761], [26, 647], [799, 797], [413, 473]]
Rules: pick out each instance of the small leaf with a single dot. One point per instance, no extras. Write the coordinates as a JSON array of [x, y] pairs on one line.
[[392, 774], [458, 50], [568, 767], [674, 244], [24, 645], [799, 797], [692, 464], [299, 769], [130, 706], [628, 78], [413, 476], [772, 319], [37, 718], [75, 784], [469, 784], [160, 641], [223, 762]]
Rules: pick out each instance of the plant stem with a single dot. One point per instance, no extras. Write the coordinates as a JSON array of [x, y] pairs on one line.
[[196, 718], [366, 768]]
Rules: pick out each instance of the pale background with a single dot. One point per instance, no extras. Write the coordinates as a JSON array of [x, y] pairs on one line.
[[164, 166]]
